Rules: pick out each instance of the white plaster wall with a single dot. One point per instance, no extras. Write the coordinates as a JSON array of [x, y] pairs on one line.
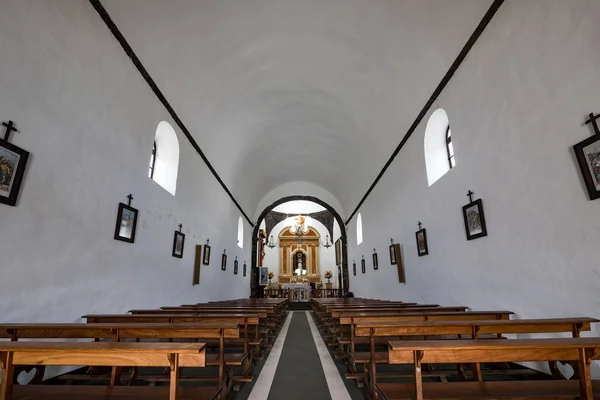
[[516, 106], [89, 120], [326, 255]]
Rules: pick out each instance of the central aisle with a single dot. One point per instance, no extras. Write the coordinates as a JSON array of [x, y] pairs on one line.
[[299, 374]]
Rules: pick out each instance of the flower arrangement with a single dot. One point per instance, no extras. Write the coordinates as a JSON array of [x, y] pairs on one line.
[[328, 274], [271, 274]]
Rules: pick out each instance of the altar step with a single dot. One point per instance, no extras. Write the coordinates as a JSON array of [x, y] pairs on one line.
[[299, 305]]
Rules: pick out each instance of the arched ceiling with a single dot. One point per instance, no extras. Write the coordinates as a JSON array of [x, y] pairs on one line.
[[280, 91]]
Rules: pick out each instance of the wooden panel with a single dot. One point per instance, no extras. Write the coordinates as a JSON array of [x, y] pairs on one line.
[[189, 333], [63, 392], [441, 356], [197, 264]]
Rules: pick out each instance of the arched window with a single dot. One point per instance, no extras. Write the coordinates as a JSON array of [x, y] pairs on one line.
[[359, 230], [240, 241], [164, 161], [439, 151]]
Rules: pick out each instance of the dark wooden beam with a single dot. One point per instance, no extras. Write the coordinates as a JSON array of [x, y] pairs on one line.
[[140, 67], [438, 90]]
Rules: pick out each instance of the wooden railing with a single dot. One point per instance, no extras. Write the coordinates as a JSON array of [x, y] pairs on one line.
[[318, 293]]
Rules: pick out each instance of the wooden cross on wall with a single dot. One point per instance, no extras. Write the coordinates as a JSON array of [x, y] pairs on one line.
[[180, 227], [594, 123], [130, 197], [470, 194], [10, 127], [419, 225]]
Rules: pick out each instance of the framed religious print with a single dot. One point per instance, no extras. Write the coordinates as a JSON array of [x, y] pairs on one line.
[[375, 260], [363, 265], [338, 252], [244, 268], [224, 261], [264, 276], [235, 266], [400, 263], [178, 242], [588, 158], [393, 260], [354, 268], [422, 248], [197, 262], [126, 223], [206, 255], [474, 220], [13, 161]]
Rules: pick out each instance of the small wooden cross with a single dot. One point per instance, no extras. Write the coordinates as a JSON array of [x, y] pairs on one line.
[[419, 223], [592, 121], [180, 227], [392, 240], [10, 126], [130, 197], [470, 194]]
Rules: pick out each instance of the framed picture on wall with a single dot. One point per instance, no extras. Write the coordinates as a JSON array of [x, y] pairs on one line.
[[392, 255], [474, 220], [126, 223], [422, 248], [178, 242], [588, 158], [244, 268], [206, 255], [264, 276], [13, 161], [224, 261], [375, 260], [400, 263], [338, 252], [363, 265], [235, 266], [354, 268]]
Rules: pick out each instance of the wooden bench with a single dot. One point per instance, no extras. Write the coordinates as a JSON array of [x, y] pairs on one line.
[[474, 328], [173, 355], [580, 350]]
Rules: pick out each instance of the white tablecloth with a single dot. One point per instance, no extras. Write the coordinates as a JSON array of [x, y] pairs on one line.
[[297, 291]]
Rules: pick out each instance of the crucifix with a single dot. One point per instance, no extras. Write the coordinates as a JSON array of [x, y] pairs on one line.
[[130, 197], [10, 126], [419, 223], [180, 227], [592, 121], [470, 194], [392, 240]]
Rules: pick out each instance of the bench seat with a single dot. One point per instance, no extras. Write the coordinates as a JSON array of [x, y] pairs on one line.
[[230, 359], [361, 357], [522, 390], [62, 392]]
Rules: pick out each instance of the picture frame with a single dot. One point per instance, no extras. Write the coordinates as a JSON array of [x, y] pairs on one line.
[[244, 269], [587, 153], [393, 260], [178, 244], [354, 268], [400, 263], [197, 263], [375, 261], [264, 276], [338, 252], [206, 255], [421, 237], [13, 162], [474, 219], [235, 266], [224, 261], [363, 265], [126, 223]]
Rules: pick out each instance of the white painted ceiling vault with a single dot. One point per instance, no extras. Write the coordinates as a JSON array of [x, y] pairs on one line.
[[283, 91]]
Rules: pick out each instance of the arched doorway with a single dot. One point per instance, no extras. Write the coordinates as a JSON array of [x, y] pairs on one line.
[[343, 276]]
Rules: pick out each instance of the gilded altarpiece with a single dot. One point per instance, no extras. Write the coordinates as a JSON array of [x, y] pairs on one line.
[[298, 256]]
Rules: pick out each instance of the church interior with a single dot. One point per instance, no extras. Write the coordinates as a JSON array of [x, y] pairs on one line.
[[282, 199]]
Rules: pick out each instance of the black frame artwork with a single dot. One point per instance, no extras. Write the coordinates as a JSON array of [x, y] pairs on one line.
[[178, 238], [393, 259], [354, 268], [338, 252], [375, 261], [206, 255], [127, 210], [422, 248], [235, 266], [587, 153], [12, 177], [363, 265], [264, 276], [224, 261], [478, 228], [244, 268]]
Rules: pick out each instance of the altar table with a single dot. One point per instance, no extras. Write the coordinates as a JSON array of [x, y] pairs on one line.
[[297, 291]]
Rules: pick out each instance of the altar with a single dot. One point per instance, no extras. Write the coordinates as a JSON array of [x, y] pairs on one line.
[[297, 291]]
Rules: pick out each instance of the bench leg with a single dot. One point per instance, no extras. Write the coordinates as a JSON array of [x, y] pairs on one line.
[[585, 378], [174, 380], [7, 375], [418, 355]]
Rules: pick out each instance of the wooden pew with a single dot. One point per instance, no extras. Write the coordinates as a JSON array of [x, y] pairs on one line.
[[173, 355], [460, 328], [580, 350]]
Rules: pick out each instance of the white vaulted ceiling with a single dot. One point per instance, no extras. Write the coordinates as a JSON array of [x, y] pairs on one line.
[[279, 91]]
